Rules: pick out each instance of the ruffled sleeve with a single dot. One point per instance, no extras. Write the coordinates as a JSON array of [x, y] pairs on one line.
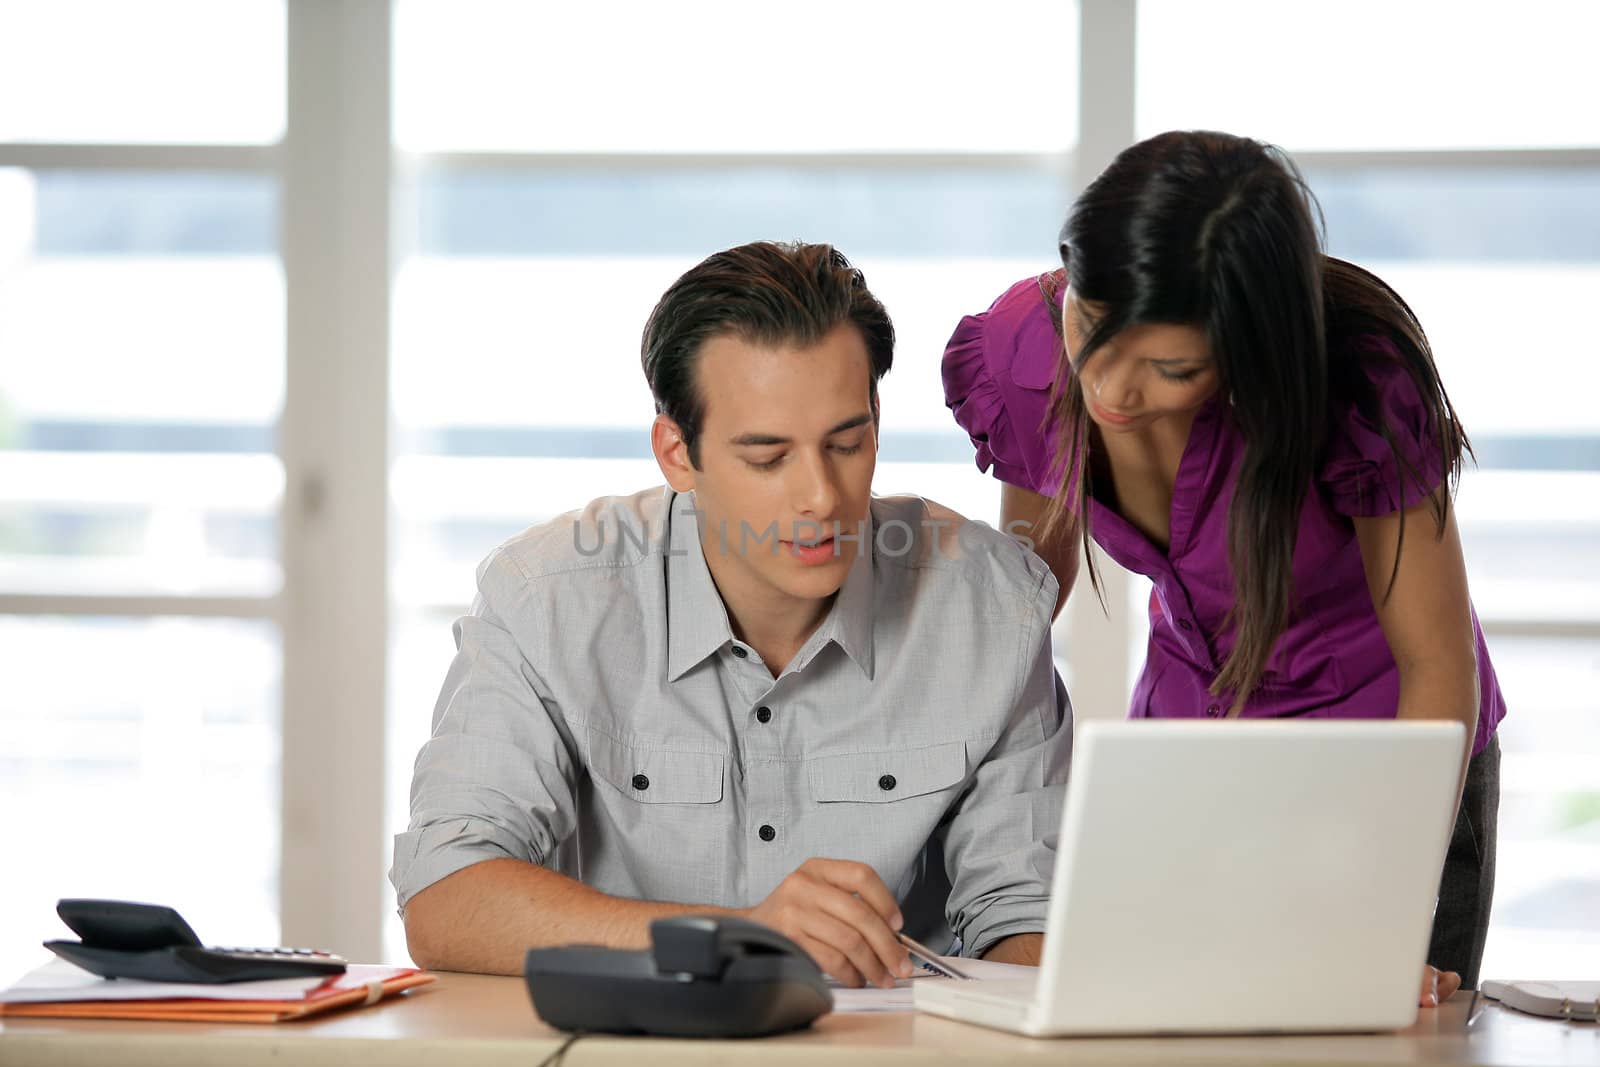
[[998, 369], [1360, 474]]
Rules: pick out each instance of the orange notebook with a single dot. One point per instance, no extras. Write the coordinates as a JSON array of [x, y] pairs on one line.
[[358, 986]]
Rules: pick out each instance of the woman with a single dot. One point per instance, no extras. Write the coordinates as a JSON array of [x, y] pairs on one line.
[[1260, 429]]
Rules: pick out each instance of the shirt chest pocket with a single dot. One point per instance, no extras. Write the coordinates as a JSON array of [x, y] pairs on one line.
[[652, 775], [655, 830], [889, 775]]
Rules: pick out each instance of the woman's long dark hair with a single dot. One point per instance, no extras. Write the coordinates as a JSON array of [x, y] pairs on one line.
[[1219, 232]]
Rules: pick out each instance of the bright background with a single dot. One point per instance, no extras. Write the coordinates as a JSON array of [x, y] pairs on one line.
[[306, 305]]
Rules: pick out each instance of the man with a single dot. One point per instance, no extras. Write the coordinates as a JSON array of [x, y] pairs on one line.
[[759, 691]]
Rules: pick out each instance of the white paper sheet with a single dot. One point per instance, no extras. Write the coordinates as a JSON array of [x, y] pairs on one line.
[[59, 981], [900, 998]]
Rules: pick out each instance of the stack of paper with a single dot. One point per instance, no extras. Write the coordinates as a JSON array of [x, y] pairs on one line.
[[900, 997], [60, 990]]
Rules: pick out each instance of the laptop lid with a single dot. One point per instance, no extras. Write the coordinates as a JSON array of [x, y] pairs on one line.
[[1247, 875]]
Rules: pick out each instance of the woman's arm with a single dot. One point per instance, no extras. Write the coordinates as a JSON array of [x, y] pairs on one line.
[[1021, 513], [1427, 620], [1426, 617]]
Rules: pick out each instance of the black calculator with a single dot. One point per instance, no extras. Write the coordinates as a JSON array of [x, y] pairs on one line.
[[122, 939]]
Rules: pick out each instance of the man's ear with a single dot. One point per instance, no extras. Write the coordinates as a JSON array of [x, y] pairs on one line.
[[672, 454]]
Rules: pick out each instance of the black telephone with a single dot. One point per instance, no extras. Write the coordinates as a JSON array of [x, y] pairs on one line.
[[122, 939], [703, 976]]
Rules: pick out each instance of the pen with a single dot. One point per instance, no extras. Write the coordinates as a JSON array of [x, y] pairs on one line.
[[925, 956]]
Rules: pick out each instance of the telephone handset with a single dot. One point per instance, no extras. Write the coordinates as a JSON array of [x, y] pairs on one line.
[[122, 939], [703, 976]]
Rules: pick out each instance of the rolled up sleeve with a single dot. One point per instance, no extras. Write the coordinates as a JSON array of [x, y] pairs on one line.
[[496, 779], [1000, 842]]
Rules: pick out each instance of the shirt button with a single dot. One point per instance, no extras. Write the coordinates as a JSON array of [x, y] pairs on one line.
[[641, 782], [1183, 624], [763, 715], [1214, 710], [767, 833], [739, 651], [887, 782]]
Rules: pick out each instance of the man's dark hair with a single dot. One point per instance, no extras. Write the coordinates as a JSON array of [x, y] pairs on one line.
[[763, 293]]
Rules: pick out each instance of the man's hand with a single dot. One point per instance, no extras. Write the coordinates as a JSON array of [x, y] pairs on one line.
[[843, 915], [1437, 986]]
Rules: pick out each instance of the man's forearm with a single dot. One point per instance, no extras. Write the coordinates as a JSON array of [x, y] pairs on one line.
[[485, 917], [1018, 948]]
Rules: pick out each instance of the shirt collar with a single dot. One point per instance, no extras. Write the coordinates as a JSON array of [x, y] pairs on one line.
[[849, 622], [697, 620]]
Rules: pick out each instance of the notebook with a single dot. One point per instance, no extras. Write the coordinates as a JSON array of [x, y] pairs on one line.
[[59, 990]]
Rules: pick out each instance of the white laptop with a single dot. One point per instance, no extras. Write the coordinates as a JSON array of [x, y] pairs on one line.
[[1236, 876]]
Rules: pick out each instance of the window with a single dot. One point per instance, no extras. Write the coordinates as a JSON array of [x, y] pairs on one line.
[[536, 240], [141, 356], [639, 77], [257, 428], [1370, 74], [158, 72], [141, 380]]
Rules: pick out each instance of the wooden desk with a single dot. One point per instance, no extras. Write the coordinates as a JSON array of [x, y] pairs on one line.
[[465, 1020]]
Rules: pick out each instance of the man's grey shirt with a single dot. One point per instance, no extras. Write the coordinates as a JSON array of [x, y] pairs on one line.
[[601, 719]]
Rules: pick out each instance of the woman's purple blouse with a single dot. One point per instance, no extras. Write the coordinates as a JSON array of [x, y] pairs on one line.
[[1332, 661]]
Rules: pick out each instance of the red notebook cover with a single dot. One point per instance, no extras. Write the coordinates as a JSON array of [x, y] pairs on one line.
[[358, 986]]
